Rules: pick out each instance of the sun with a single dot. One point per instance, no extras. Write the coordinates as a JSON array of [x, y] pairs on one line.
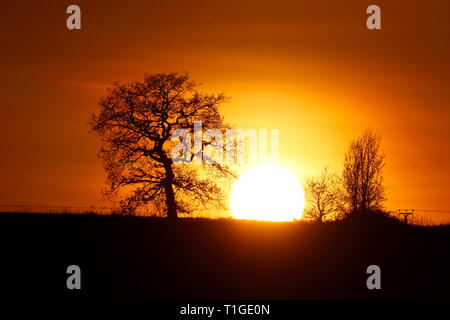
[[267, 193]]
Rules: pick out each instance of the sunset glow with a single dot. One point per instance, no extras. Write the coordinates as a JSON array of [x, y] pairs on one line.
[[311, 70], [267, 193]]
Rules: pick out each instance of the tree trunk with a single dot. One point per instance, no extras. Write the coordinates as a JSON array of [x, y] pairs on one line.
[[170, 195], [170, 203]]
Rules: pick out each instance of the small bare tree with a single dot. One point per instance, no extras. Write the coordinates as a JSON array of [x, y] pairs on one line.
[[363, 173], [324, 196], [136, 122]]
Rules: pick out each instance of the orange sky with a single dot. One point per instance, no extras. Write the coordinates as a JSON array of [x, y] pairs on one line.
[[311, 69]]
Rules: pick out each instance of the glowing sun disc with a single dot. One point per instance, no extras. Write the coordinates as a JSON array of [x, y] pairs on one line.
[[267, 193]]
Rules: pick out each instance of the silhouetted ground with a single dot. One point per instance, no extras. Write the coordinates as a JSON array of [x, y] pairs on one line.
[[132, 257]]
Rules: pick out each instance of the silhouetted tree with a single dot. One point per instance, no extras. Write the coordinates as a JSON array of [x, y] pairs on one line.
[[324, 196], [136, 122], [363, 173]]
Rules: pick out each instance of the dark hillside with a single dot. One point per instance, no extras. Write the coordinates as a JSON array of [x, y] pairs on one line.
[[131, 257]]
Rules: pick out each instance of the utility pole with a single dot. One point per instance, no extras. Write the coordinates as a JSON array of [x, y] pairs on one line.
[[406, 213]]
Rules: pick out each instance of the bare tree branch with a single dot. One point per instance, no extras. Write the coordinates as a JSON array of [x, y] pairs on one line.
[[135, 124]]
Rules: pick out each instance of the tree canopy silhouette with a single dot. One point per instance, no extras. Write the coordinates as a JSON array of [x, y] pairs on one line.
[[363, 173], [136, 122], [324, 196]]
